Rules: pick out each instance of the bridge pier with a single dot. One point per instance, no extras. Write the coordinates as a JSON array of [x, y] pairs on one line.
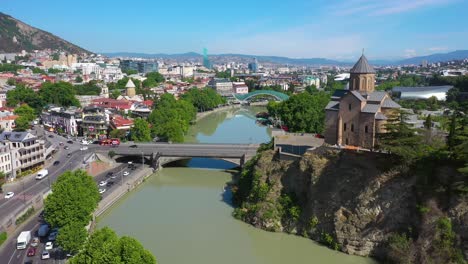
[[155, 160], [242, 161]]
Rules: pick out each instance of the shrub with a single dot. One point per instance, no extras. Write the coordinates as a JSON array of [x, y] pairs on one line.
[[3, 237], [329, 241], [313, 222], [25, 216]]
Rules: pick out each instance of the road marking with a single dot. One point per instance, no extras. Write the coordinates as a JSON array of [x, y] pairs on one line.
[[14, 252]]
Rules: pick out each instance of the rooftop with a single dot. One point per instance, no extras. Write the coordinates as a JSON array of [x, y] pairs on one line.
[[362, 66]]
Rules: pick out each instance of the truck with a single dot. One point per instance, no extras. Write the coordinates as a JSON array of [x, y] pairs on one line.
[[41, 174], [23, 240], [43, 230]]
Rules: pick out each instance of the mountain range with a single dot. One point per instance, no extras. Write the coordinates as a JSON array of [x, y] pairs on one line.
[[16, 36]]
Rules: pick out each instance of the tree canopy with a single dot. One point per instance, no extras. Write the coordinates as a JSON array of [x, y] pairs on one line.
[[203, 99], [302, 112], [153, 79], [74, 197], [140, 131], [90, 88], [24, 95], [61, 93], [26, 116], [72, 237], [104, 246]]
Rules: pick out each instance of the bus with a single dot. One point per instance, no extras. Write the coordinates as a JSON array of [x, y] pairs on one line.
[[109, 142]]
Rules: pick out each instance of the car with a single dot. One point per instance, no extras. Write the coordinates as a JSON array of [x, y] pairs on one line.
[[126, 173], [134, 146], [66, 147], [8, 195], [84, 148], [68, 155], [102, 183], [56, 163], [113, 176], [110, 174], [51, 136], [61, 143], [101, 191], [31, 252], [45, 255], [109, 184], [49, 245], [35, 242], [52, 236], [70, 141]]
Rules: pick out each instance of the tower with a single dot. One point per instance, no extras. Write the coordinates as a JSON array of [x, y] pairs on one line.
[[130, 86], [362, 77], [206, 61]]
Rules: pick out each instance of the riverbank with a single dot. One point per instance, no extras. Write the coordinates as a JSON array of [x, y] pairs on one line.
[[201, 115]]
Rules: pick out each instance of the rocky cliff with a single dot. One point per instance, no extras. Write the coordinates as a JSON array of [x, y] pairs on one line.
[[16, 36], [359, 203]]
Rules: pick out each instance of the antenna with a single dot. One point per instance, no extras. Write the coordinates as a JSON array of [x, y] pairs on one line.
[[362, 51]]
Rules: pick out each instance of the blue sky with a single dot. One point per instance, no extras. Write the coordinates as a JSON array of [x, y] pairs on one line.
[[336, 29]]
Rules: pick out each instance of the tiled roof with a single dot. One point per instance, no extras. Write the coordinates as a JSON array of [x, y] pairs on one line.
[[422, 89], [333, 105], [362, 66], [339, 93], [380, 116], [389, 103], [371, 108], [358, 96], [376, 96], [14, 136], [7, 118], [130, 84]]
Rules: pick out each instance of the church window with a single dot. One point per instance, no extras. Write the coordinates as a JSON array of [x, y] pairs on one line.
[[344, 127], [366, 129], [349, 107], [352, 127]]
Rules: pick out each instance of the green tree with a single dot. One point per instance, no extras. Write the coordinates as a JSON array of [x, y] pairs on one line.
[[24, 95], [203, 99], [130, 72], [104, 246], [74, 197], [22, 124], [140, 131], [78, 79], [90, 88], [115, 94], [38, 71], [118, 133], [55, 56], [72, 237], [61, 93], [26, 111], [428, 123], [311, 89], [11, 81]]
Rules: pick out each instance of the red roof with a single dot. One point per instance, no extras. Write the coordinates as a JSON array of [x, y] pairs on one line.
[[148, 103], [119, 121], [10, 117], [112, 103]]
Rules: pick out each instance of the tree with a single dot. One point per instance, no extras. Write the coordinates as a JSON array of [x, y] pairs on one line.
[[203, 99], [111, 154], [26, 111], [130, 72], [140, 131], [115, 94], [61, 93], [428, 123], [22, 124], [104, 246], [90, 88], [153, 79], [11, 81], [72, 237], [118, 133], [23, 94], [74, 197], [311, 89], [78, 79]]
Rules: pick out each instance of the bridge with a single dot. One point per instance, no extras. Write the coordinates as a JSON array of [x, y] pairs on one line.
[[277, 95], [160, 154]]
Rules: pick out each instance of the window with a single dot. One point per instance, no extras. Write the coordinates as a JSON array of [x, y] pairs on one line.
[[344, 127], [349, 107], [366, 129], [352, 127], [347, 142]]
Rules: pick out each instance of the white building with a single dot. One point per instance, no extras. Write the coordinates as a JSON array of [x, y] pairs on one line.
[[222, 86], [60, 119], [5, 159], [240, 88]]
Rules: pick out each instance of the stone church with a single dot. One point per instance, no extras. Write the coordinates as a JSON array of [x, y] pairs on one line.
[[353, 117]]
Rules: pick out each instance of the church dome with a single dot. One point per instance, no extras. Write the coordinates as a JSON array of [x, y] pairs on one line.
[[362, 66]]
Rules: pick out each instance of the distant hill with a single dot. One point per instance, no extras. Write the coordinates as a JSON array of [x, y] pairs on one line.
[[16, 36], [439, 57], [215, 57]]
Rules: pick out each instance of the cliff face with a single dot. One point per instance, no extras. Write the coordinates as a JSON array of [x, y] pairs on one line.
[[360, 203]]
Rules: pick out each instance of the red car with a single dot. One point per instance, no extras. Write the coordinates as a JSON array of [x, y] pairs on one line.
[[31, 252]]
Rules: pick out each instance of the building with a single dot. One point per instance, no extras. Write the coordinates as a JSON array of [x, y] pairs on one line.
[[5, 159], [139, 66], [423, 92], [63, 120], [95, 122], [120, 123], [240, 88], [206, 61], [130, 88], [308, 80], [26, 150], [7, 122], [126, 65], [354, 117], [222, 86], [253, 66]]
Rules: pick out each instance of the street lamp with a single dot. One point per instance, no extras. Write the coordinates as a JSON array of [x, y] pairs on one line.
[[24, 194]]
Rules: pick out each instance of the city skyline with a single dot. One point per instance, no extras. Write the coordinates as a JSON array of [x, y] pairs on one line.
[[299, 29]]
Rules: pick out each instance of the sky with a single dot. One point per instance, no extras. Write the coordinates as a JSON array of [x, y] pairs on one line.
[[334, 29]]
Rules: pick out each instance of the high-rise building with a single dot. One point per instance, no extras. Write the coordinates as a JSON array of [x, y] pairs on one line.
[[253, 66], [140, 66], [424, 63], [206, 61]]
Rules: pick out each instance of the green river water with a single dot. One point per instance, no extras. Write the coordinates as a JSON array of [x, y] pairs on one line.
[[183, 215]]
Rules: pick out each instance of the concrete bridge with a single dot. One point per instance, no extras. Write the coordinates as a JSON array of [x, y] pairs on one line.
[[160, 154]]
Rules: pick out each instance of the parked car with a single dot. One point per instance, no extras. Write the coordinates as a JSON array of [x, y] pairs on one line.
[[49, 245], [84, 148], [70, 141], [134, 146], [35, 242], [66, 147], [126, 173], [102, 183], [31, 252], [8, 195], [109, 184], [68, 155], [45, 255], [102, 190], [51, 136], [56, 163], [52, 236]]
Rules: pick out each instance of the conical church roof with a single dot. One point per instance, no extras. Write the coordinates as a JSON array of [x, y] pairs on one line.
[[362, 66], [130, 84]]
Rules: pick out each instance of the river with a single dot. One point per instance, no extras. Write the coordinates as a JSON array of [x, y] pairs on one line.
[[182, 215]]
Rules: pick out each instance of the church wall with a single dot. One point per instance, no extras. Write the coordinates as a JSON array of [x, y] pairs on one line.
[[366, 139], [350, 119], [331, 127]]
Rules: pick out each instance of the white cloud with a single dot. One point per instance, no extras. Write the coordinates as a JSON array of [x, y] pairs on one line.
[[437, 49], [380, 7], [408, 53]]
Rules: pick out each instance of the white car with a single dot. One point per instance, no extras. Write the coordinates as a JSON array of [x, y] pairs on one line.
[[84, 148], [101, 191], [102, 183], [126, 173], [45, 255], [8, 195], [49, 245]]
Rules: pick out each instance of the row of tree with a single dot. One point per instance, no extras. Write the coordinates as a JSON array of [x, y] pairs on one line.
[[69, 207]]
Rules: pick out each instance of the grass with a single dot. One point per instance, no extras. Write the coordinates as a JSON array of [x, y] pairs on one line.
[[3, 237], [25, 216]]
